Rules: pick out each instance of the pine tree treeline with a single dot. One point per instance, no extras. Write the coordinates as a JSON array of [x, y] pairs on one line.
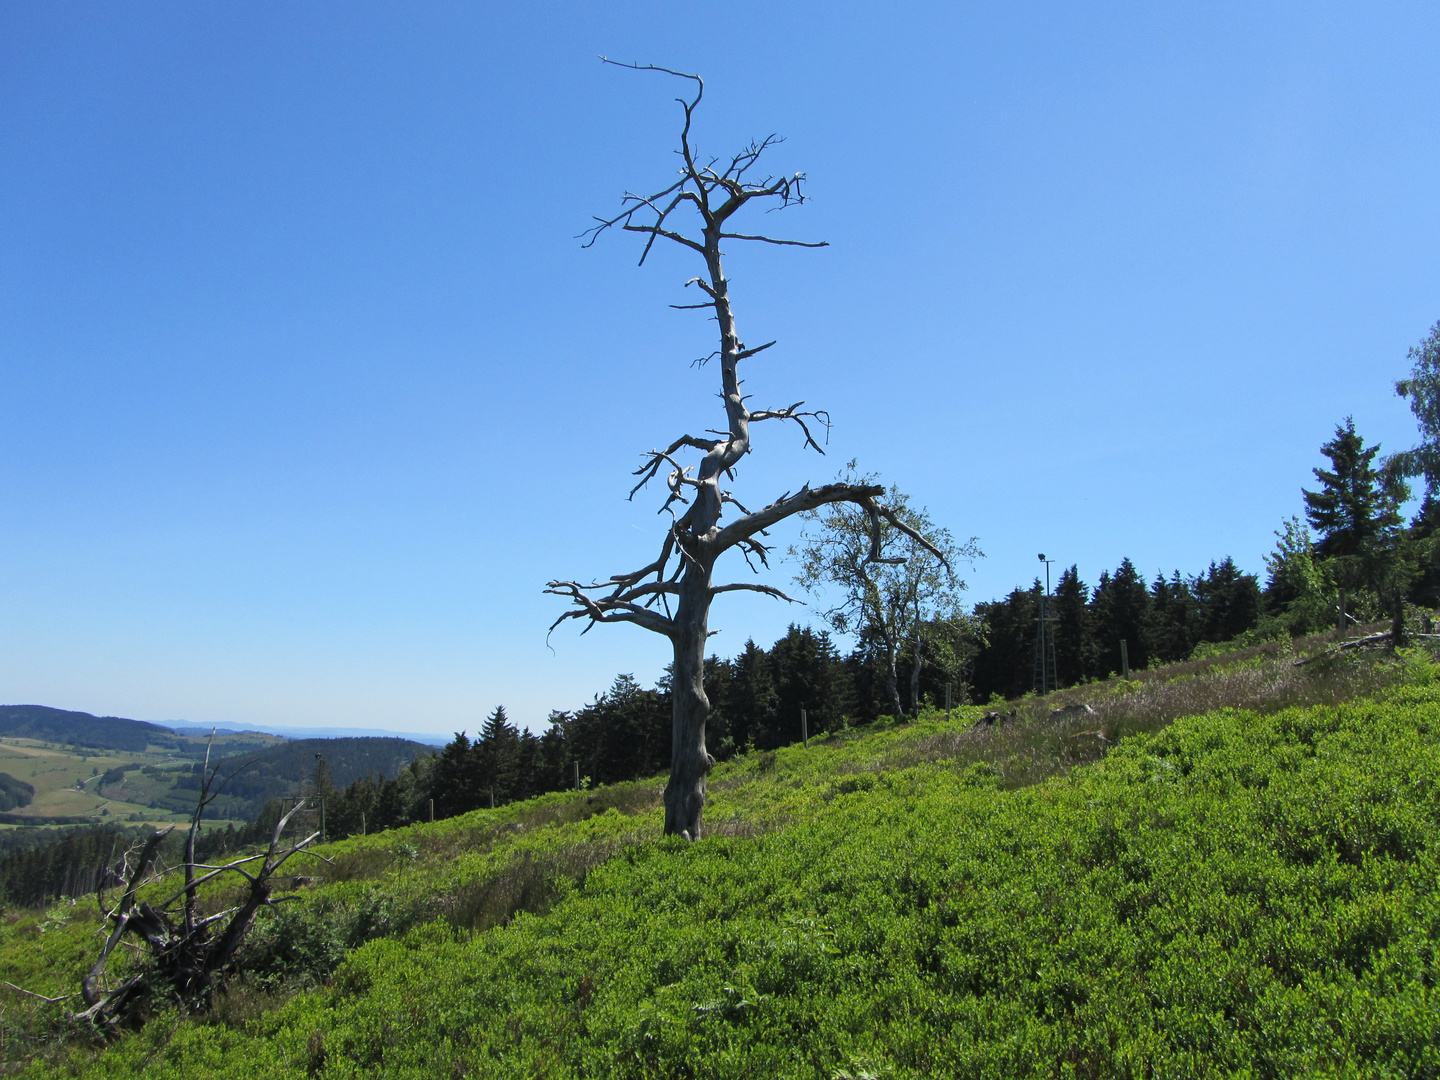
[[75, 864], [624, 734], [1161, 622], [757, 696]]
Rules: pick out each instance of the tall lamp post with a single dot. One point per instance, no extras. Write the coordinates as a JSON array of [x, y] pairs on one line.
[[1047, 677]]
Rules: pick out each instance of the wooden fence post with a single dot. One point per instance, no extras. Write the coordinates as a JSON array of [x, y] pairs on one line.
[[805, 729], [1124, 659]]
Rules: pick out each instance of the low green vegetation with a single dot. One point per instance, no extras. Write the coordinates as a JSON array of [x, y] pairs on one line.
[[1245, 892]]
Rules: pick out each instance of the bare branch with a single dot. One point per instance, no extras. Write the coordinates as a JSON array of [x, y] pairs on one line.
[[793, 413], [41, 997], [121, 918], [745, 354], [606, 609], [696, 79], [656, 230], [768, 590], [773, 240], [657, 458], [653, 587], [895, 520], [807, 498]]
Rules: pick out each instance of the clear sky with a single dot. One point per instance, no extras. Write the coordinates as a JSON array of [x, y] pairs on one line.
[[308, 388]]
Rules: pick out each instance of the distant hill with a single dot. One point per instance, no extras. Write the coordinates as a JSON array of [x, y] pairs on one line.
[[83, 729], [281, 770], [266, 766], [187, 727]]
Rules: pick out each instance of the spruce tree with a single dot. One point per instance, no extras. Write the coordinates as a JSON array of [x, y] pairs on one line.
[[1005, 664], [754, 701], [807, 674], [624, 734], [1425, 531], [1229, 601], [1074, 628], [1122, 613], [1357, 509], [497, 760], [447, 781], [1174, 618]]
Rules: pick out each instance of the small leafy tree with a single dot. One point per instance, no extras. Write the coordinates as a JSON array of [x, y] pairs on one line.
[[1301, 586], [1422, 389], [901, 598]]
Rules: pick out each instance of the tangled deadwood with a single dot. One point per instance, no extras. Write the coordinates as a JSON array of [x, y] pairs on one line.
[[182, 952]]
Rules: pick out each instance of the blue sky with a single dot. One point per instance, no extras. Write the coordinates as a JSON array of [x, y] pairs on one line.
[[308, 388]]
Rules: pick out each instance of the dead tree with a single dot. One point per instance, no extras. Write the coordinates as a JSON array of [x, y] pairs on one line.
[[672, 594], [186, 951]]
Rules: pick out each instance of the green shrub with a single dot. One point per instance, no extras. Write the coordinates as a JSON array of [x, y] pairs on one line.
[[1237, 894]]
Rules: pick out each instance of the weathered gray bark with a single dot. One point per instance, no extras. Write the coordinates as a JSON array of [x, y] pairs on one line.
[[892, 674], [690, 708], [696, 539], [919, 648]]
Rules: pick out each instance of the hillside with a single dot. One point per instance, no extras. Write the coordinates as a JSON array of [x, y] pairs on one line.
[[73, 785], [1237, 892], [81, 729], [66, 769], [277, 771]]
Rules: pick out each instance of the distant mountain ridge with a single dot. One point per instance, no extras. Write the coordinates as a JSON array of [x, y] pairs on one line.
[[82, 728], [74, 728], [189, 727], [261, 765]]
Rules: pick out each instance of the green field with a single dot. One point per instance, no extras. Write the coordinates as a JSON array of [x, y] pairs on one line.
[[67, 783], [1242, 892]]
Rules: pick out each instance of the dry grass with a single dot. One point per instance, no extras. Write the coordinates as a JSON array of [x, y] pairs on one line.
[[1042, 737]]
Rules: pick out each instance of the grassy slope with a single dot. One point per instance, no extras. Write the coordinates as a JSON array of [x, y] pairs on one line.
[[1237, 894], [54, 770], [68, 779]]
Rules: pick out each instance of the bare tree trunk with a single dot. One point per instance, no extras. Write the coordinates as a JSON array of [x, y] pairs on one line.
[[915, 675], [892, 676], [690, 707]]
